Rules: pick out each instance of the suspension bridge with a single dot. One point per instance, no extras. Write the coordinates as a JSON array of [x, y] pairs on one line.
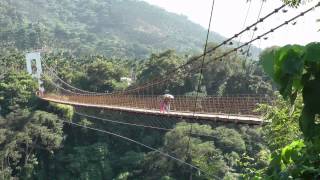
[[234, 109], [141, 98]]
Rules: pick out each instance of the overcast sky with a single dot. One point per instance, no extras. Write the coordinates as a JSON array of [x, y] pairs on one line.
[[229, 16]]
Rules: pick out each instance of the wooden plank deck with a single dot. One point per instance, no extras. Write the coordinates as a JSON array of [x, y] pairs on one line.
[[242, 119]]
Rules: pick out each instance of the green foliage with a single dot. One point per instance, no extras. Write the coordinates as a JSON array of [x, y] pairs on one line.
[[297, 160], [26, 134], [283, 123], [64, 111], [252, 167], [104, 75], [229, 140], [243, 83], [157, 66], [97, 27], [267, 57], [17, 90], [216, 152], [88, 162], [203, 154], [123, 176], [296, 70], [292, 3], [235, 75]]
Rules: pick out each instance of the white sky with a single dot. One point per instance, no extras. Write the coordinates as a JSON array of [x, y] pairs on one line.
[[229, 16]]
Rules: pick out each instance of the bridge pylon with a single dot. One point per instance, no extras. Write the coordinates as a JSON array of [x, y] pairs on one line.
[[34, 67]]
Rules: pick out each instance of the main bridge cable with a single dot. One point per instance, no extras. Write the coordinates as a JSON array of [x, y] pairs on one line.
[[268, 32], [156, 81], [212, 49], [141, 144], [54, 73], [63, 89], [136, 125], [262, 35]]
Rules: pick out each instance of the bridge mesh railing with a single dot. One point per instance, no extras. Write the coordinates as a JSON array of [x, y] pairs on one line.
[[231, 105]]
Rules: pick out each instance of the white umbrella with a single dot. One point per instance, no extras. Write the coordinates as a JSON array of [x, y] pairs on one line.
[[169, 96]]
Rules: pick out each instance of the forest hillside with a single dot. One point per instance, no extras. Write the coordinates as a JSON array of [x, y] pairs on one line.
[[85, 27]]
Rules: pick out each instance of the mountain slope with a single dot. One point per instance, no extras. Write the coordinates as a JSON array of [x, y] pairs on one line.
[[121, 28]]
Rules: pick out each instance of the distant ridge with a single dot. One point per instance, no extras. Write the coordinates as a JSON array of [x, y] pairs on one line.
[[115, 28]]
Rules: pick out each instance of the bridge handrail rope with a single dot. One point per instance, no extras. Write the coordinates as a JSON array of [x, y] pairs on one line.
[[240, 106], [63, 89]]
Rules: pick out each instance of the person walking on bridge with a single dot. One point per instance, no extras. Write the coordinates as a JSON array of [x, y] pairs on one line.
[[165, 103], [41, 90]]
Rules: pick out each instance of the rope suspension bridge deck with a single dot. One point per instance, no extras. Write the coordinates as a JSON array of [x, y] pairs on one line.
[[233, 109]]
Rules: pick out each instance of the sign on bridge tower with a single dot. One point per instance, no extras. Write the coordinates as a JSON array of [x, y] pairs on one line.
[[34, 68]]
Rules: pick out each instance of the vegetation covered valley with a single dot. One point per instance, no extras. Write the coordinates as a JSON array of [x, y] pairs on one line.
[[94, 46], [40, 146]]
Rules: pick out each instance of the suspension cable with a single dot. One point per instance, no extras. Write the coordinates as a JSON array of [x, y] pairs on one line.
[[132, 124], [268, 32], [253, 33], [212, 49], [199, 83], [245, 20], [54, 73], [141, 144]]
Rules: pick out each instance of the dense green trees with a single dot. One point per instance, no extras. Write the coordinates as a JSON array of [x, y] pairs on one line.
[[28, 139], [17, 91], [295, 69], [103, 75], [157, 67], [97, 27], [284, 128], [226, 152]]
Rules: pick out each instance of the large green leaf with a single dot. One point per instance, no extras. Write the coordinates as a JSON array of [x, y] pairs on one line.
[[292, 152], [267, 61], [312, 52], [288, 69]]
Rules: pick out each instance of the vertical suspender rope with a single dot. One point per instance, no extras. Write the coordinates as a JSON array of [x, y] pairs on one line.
[[245, 20], [199, 87], [259, 14]]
